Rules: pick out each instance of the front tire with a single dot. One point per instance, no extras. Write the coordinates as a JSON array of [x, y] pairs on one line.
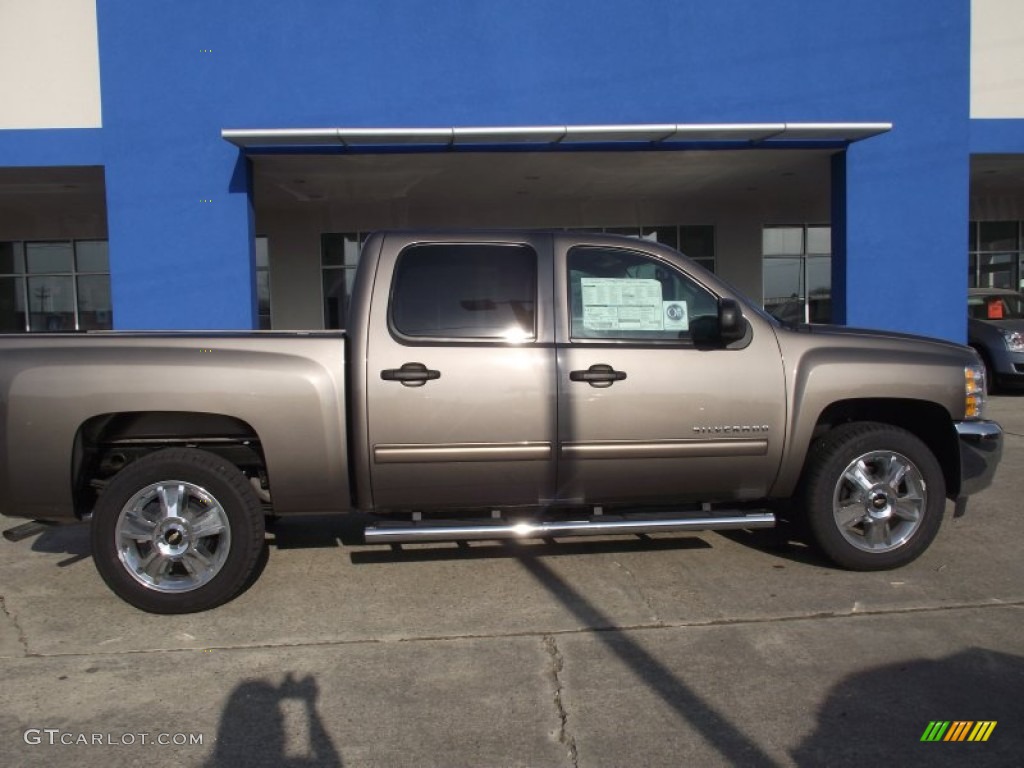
[[177, 531], [873, 497]]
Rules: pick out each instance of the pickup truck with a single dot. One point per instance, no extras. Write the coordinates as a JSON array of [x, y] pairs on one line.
[[489, 386]]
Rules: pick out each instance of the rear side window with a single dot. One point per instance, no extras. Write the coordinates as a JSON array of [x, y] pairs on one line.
[[465, 291]]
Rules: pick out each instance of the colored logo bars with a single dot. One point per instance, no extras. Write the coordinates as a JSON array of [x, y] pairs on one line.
[[958, 730]]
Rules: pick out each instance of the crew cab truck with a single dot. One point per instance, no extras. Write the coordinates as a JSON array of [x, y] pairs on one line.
[[491, 385]]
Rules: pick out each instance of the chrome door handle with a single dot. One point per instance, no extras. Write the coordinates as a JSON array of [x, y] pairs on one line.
[[599, 375], [410, 374]]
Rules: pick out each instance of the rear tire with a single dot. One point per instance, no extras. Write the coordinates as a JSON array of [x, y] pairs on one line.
[[177, 531], [873, 497]]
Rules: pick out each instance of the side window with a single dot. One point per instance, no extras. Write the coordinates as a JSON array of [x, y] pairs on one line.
[[478, 291], [616, 293]]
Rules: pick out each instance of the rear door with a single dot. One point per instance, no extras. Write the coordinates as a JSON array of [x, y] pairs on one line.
[[460, 378], [650, 408]]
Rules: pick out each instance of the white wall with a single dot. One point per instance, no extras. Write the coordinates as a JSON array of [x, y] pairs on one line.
[[55, 220], [293, 240], [49, 64], [738, 258], [997, 59], [52, 203]]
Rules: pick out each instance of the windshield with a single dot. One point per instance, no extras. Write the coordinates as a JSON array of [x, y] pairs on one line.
[[998, 306]]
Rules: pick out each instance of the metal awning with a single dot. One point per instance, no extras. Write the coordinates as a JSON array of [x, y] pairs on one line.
[[667, 135]]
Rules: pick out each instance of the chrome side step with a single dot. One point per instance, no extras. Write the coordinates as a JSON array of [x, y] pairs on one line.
[[597, 525]]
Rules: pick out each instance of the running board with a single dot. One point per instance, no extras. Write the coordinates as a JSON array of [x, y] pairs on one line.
[[393, 533]]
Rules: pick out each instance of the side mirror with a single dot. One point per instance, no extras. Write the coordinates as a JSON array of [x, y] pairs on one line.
[[731, 325]]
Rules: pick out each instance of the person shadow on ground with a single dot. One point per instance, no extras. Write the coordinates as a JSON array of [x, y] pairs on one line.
[[880, 716], [253, 731]]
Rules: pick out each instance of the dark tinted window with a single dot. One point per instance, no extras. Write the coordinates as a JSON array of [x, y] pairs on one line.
[[466, 291], [616, 293]]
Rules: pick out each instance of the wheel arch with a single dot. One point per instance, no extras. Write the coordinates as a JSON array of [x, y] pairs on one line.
[[928, 421], [106, 443]]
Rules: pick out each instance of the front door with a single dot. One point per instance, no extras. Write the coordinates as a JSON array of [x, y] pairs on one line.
[[461, 374], [650, 407]]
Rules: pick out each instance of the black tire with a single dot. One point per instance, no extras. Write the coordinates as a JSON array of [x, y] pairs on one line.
[[883, 514], [143, 525]]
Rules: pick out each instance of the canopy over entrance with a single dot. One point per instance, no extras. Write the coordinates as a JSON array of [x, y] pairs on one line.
[[668, 135]]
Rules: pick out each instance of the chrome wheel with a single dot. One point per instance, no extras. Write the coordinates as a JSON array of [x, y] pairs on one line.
[[879, 501], [173, 536]]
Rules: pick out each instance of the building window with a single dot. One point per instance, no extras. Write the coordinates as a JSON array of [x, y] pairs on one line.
[[263, 283], [797, 270], [55, 286], [995, 255], [339, 255]]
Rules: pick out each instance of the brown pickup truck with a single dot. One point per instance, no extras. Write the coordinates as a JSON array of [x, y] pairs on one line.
[[491, 385]]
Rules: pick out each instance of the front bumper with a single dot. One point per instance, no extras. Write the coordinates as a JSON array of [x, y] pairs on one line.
[[981, 448], [1008, 369]]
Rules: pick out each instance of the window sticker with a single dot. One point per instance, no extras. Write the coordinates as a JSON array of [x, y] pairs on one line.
[[676, 316], [622, 304]]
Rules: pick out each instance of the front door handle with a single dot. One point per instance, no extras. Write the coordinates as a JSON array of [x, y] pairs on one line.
[[599, 375], [410, 374]]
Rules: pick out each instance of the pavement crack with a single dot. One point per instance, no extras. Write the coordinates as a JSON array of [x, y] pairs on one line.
[[555, 664], [546, 635], [17, 626], [643, 595]]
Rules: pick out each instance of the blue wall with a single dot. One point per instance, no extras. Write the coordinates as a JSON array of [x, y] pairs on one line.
[[178, 261], [997, 136], [66, 146]]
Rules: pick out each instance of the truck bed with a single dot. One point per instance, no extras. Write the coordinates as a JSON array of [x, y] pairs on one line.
[[64, 396]]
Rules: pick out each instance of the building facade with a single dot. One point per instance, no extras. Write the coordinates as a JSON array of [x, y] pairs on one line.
[[198, 165]]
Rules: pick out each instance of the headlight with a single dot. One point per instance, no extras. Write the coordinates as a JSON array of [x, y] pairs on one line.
[[974, 391], [1014, 340]]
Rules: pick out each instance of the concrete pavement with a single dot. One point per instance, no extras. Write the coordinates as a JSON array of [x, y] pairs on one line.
[[679, 650]]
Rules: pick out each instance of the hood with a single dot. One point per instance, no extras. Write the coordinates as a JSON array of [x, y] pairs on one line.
[[1012, 324], [869, 334]]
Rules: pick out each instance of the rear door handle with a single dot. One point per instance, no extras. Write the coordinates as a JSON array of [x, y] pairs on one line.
[[410, 374], [599, 375]]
